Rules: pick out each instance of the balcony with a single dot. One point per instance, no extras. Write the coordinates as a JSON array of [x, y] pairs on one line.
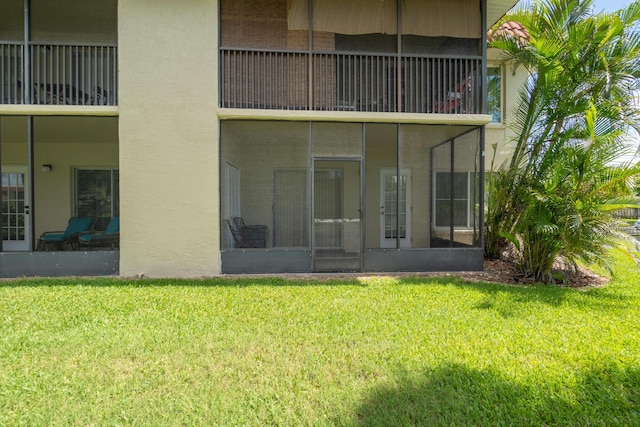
[[339, 81], [58, 74]]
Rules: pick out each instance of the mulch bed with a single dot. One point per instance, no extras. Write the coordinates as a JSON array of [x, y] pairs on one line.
[[507, 272]]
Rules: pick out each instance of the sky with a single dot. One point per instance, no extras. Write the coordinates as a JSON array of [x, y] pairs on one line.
[[610, 5], [633, 140]]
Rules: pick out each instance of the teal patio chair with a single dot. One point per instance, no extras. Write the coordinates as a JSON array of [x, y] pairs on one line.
[[110, 237], [51, 240]]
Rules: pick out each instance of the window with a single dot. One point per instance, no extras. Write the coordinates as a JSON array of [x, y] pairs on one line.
[[494, 94], [460, 203], [97, 194]]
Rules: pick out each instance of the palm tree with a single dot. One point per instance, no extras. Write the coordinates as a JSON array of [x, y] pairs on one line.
[[584, 71]]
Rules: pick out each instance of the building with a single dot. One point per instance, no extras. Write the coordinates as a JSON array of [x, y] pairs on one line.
[[349, 145]]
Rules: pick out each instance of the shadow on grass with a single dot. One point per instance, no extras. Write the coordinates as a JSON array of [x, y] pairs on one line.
[[457, 395], [505, 298]]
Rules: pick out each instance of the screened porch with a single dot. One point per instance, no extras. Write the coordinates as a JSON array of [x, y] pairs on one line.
[[410, 56], [55, 168], [349, 197], [58, 53]]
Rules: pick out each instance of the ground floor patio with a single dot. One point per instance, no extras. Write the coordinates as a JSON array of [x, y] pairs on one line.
[[290, 197], [329, 196]]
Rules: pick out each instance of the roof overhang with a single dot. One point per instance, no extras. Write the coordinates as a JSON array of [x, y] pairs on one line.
[[496, 10]]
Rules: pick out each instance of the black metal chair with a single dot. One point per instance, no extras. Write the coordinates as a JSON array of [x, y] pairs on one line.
[[247, 236]]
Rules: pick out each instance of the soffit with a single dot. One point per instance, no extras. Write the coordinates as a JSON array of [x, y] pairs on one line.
[[60, 130], [496, 10]]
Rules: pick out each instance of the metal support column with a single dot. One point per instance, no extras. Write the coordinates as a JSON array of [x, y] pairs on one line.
[[452, 189], [27, 76], [481, 185], [398, 184], [1, 184], [399, 77], [30, 170], [26, 70], [310, 57], [483, 77], [483, 5], [363, 194]]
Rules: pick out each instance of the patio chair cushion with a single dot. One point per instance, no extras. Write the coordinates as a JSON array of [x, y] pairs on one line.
[[110, 235], [96, 237], [76, 225], [113, 226]]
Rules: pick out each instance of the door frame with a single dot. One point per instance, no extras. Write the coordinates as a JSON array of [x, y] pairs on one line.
[[359, 161], [232, 206], [405, 242], [22, 245]]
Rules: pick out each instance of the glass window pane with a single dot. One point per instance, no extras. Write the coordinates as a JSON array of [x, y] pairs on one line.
[[443, 213], [460, 213], [443, 185], [460, 188], [115, 190], [97, 195], [494, 93]]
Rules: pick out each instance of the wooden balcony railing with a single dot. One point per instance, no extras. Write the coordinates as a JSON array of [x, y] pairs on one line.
[[58, 74], [266, 79]]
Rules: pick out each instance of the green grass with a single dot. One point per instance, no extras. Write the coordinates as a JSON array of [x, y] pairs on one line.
[[380, 351]]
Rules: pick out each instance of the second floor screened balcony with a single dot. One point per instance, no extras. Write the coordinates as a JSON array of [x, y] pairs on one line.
[[58, 74], [350, 56], [331, 81], [58, 53]]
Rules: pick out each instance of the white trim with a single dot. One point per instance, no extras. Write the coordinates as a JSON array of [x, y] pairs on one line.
[[19, 245], [502, 95], [353, 117], [233, 205], [405, 242], [58, 110]]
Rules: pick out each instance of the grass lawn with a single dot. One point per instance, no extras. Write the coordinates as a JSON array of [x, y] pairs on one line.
[[380, 351]]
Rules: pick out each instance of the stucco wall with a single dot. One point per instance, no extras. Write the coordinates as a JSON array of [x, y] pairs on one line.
[[168, 138], [499, 136]]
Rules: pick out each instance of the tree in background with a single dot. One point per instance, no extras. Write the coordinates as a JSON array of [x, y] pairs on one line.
[[556, 195]]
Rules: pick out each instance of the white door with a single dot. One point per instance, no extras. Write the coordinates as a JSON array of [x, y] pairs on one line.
[[392, 226], [15, 209]]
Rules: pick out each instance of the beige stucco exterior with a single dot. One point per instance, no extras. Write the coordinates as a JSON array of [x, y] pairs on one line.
[[499, 136], [168, 138], [164, 137]]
